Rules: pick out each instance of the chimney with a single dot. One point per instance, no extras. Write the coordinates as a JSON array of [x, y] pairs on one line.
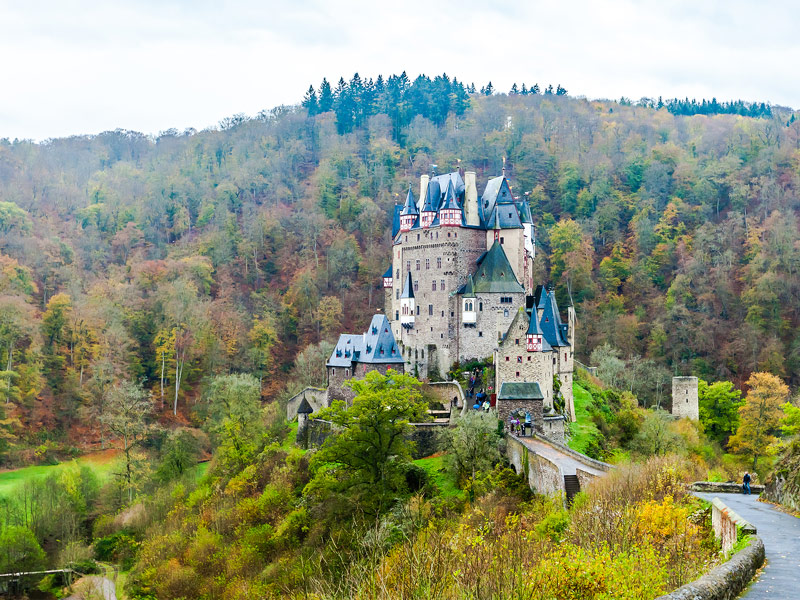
[[423, 190], [471, 199]]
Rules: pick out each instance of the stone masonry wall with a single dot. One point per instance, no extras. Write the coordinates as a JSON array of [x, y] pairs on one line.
[[513, 357], [505, 408], [458, 248], [684, 397], [445, 391], [317, 398], [543, 476], [493, 320], [337, 376]]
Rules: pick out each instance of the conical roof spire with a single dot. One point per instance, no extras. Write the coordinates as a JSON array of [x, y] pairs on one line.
[[410, 207], [408, 287]]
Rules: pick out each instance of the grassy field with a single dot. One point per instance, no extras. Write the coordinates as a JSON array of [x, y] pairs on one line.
[[102, 463], [433, 466], [583, 429]]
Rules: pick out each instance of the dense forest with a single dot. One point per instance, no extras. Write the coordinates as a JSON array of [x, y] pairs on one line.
[[247, 247]]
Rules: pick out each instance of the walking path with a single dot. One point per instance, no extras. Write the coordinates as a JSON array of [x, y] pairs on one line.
[[781, 534], [567, 462], [93, 586]]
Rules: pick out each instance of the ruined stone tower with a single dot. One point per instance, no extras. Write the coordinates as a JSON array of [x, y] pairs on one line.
[[684, 397]]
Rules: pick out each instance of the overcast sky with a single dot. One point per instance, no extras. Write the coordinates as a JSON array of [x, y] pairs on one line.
[[75, 67]]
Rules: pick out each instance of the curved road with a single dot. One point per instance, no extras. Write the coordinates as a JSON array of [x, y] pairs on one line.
[[781, 534]]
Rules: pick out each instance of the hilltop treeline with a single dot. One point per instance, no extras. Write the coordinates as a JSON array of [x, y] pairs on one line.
[[250, 246]]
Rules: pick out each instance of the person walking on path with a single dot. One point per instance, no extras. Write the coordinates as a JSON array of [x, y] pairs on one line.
[[746, 483]]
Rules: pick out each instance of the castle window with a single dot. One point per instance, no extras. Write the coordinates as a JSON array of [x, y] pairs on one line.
[[517, 373], [442, 313], [508, 358], [502, 240], [397, 274], [455, 234], [442, 282], [433, 285], [480, 334], [529, 359], [565, 358], [347, 372], [397, 294], [516, 342], [417, 264], [430, 310], [505, 312], [333, 370], [416, 286], [480, 306], [519, 359], [417, 237], [396, 315], [418, 315], [554, 360], [408, 265], [439, 263], [448, 234], [422, 354], [427, 263]]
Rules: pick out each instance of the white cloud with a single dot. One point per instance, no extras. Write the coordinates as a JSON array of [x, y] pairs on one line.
[[83, 67]]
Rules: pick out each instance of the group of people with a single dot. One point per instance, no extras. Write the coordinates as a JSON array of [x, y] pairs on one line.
[[518, 426]]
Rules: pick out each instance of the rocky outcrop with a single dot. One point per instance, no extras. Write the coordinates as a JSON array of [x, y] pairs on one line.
[[783, 484]]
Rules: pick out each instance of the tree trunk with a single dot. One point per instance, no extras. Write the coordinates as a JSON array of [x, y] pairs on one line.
[[163, 366]]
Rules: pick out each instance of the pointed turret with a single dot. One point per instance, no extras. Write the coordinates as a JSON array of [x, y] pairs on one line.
[[450, 213], [409, 213], [554, 331], [430, 206], [536, 341]]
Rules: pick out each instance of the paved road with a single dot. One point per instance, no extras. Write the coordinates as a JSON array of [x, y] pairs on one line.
[[781, 534], [566, 461]]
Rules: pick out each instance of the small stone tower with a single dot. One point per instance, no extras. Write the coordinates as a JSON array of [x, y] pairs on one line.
[[684, 397], [303, 412]]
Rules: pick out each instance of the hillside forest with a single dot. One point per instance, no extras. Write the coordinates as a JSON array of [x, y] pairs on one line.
[[161, 297]]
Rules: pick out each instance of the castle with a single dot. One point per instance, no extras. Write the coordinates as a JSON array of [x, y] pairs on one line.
[[460, 287]]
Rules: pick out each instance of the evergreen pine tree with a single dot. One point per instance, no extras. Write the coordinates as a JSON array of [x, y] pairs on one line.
[[325, 96], [310, 101]]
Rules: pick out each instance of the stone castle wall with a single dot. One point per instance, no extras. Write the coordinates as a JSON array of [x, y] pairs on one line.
[[506, 408], [337, 376], [493, 320], [684, 397]]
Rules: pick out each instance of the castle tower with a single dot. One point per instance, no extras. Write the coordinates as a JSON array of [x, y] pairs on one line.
[[685, 398]]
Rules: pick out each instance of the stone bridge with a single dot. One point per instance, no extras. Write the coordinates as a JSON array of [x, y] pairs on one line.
[[552, 467]]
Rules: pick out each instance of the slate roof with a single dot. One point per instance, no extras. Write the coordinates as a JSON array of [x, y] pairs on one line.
[[520, 391], [347, 349], [455, 178], [388, 272], [535, 328], [551, 322], [396, 220], [450, 201], [504, 216], [304, 408], [379, 343], [410, 207], [432, 198], [494, 273], [408, 287], [524, 211], [376, 346]]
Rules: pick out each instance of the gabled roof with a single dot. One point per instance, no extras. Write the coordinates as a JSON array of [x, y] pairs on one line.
[[494, 273], [388, 272], [410, 207], [408, 287], [551, 321], [304, 408], [379, 343], [520, 391]]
